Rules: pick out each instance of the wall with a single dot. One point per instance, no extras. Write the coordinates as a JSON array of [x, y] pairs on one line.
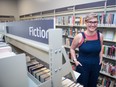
[[32, 6], [9, 7], [22, 7]]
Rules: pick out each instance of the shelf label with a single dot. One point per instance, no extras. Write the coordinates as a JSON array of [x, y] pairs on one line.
[[36, 30]]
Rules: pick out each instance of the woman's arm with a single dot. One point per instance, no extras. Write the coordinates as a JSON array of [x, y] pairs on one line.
[[101, 52], [74, 44]]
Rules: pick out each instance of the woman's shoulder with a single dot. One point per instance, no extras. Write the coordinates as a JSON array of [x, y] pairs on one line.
[[79, 35], [101, 36]]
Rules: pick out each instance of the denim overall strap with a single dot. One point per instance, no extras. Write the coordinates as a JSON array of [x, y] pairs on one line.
[[98, 34]]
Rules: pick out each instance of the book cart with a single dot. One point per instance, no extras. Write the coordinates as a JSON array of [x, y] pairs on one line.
[[51, 54]]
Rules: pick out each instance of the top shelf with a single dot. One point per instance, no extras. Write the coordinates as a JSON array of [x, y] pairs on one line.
[[68, 11], [99, 26]]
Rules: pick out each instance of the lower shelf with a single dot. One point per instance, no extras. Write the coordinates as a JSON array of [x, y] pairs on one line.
[[31, 83], [107, 74], [33, 79]]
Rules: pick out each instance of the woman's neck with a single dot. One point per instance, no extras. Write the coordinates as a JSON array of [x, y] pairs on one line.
[[90, 33]]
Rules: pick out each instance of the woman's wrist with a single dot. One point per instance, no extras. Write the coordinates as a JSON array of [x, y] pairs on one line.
[[74, 59]]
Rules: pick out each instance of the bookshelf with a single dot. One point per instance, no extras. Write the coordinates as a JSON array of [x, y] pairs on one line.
[[109, 42], [107, 28], [5, 18], [107, 74]]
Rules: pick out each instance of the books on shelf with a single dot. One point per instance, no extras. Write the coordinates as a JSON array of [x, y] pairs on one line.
[[114, 22], [107, 19], [106, 82], [38, 70], [72, 32], [114, 37], [110, 18], [77, 20], [104, 19], [65, 20], [68, 41], [109, 68], [108, 35], [109, 51], [70, 20]]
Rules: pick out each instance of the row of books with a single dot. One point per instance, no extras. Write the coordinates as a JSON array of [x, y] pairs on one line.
[[109, 35], [68, 41], [108, 68], [65, 20], [103, 19], [38, 70], [68, 83], [41, 73], [106, 82], [108, 18], [109, 51], [72, 31]]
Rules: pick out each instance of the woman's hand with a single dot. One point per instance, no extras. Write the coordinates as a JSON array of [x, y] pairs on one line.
[[77, 63], [100, 62]]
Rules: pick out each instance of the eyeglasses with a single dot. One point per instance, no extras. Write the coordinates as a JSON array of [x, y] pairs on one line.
[[92, 22]]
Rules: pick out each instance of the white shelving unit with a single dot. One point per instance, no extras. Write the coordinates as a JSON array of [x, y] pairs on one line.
[[107, 74], [51, 54], [13, 70]]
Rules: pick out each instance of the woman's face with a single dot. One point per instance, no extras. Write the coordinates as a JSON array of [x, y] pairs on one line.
[[92, 24]]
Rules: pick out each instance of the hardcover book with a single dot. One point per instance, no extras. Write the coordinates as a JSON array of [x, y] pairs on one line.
[[114, 37], [109, 35], [41, 73], [37, 71], [44, 76], [114, 21]]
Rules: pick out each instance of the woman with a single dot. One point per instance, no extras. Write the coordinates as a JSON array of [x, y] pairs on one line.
[[89, 43]]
